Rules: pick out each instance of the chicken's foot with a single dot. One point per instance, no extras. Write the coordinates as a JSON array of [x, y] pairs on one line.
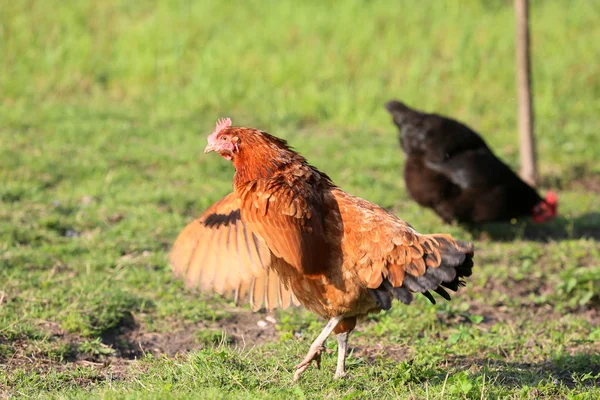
[[314, 353]]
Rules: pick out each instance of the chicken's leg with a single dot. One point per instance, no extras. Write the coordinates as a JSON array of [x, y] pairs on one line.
[[314, 353], [340, 371]]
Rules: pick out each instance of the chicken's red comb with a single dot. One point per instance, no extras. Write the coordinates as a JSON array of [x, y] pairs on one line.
[[551, 198], [222, 123]]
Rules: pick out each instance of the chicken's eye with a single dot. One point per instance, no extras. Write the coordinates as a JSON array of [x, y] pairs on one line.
[[224, 138]]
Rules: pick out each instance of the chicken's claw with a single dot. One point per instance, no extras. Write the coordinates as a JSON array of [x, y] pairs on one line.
[[313, 355], [339, 375]]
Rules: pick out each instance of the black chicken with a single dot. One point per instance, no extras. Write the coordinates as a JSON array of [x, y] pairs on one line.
[[450, 169]]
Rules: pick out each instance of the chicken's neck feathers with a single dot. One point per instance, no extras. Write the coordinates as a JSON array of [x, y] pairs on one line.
[[269, 163]]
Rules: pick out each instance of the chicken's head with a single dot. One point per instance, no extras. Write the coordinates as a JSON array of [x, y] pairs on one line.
[[546, 209], [222, 142], [254, 153]]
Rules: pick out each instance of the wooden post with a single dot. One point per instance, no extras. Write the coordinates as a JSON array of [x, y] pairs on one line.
[[526, 134]]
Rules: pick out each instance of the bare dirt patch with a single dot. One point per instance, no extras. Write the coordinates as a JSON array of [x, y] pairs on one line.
[[373, 352], [590, 183], [118, 351], [132, 341], [577, 177], [241, 329]]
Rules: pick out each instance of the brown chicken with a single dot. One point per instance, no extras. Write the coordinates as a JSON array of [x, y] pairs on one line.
[[288, 235]]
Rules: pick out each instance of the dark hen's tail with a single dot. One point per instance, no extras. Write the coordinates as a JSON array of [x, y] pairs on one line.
[[400, 111], [454, 260], [413, 132]]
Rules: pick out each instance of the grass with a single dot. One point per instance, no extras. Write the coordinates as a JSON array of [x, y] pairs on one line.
[[104, 111]]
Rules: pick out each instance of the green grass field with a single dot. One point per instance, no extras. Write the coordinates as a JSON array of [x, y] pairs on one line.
[[105, 108]]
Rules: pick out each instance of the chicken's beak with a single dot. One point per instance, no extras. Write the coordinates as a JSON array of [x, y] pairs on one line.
[[210, 147]]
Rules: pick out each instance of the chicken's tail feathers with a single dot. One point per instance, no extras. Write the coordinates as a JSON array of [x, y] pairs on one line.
[[447, 262], [409, 122], [401, 113], [456, 261], [455, 264], [395, 106]]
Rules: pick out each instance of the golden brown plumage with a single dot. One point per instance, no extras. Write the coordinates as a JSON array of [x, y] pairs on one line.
[[288, 235]]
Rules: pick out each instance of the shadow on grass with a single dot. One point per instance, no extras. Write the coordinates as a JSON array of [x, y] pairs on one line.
[[581, 369], [583, 226]]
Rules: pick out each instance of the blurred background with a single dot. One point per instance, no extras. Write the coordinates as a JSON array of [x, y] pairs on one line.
[[105, 107]]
